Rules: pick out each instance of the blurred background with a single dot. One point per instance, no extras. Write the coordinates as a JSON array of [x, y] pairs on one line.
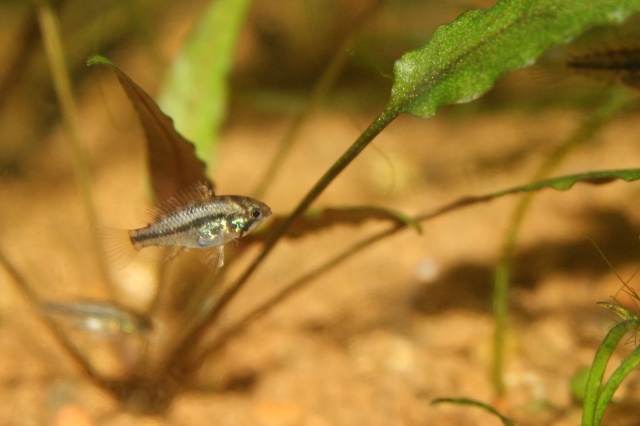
[[375, 340]]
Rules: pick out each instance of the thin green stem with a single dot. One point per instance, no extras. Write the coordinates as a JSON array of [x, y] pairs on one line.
[[627, 365], [596, 375], [191, 339], [288, 291], [50, 29], [339, 259], [328, 78], [299, 283], [584, 133], [25, 289]]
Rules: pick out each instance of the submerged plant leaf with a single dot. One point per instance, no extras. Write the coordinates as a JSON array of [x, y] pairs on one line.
[[564, 183], [173, 165], [320, 219], [561, 183], [597, 395], [627, 365], [464, 58], [195, 92]]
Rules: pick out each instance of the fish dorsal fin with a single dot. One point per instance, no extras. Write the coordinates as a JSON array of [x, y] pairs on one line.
[[198, 192]]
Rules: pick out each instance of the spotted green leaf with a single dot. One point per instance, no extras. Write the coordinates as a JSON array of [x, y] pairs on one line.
[[464, 58]]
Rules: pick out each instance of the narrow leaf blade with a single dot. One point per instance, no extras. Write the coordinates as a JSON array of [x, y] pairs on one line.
[[172, 162], [195, 92], [604, 353], [627, 365], [321, 219]]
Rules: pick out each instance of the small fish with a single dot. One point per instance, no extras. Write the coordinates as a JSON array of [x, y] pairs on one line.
[[610, 62], [105, 318], [200, 219]]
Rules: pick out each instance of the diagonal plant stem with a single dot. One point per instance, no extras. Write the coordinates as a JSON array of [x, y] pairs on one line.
[[345, 255], [593, 391], [614, 103], [50, 29], [299, 283], [627, 365], [328, 78], [25, 289], [289, 290], [192, 338]]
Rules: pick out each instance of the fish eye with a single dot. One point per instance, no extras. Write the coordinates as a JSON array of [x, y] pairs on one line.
[[256, 214]]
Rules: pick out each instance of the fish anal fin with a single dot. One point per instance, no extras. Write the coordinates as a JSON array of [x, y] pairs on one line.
[[171, 252], [212, 257]]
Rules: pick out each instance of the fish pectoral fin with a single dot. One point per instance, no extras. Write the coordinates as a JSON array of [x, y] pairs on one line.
[[172, 252]]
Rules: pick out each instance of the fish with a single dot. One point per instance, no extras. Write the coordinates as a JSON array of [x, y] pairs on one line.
[[610, 62], [199, 219], [104, 318], [604, 58]]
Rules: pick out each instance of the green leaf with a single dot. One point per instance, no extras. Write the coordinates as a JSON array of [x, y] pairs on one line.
[[195, 91], [627, 365], [173, 165], [463, 59], [593, 411], [561, 183], [320, 219], [564, 183]]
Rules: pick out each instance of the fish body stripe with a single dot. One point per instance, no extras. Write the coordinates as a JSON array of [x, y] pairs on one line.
[[226, 216]]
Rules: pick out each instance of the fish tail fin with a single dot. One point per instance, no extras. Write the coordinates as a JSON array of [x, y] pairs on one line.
[[118, 246]]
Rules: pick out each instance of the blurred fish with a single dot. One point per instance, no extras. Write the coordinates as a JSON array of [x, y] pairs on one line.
[[605, 58], [105, 318], [197, 218], [620, 62], [610, 61]]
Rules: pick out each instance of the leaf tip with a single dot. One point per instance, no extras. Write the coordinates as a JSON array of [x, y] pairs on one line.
[[99, 60]]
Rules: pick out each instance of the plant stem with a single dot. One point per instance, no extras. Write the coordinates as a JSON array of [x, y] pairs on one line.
[[289, 290], [302, 281], [25, 289], [50, 29], [328, 78], [192, 337]]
